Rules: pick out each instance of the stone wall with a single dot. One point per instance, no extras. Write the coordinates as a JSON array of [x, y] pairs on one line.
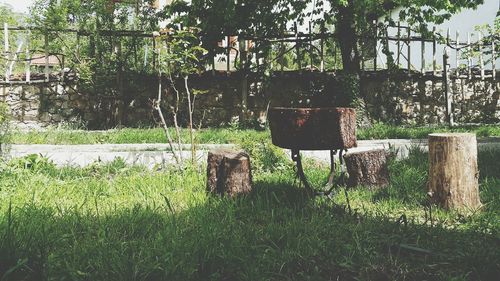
[[395, 98], [420, 100]]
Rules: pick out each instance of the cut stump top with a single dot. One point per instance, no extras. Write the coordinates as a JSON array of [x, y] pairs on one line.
[[451, 135]]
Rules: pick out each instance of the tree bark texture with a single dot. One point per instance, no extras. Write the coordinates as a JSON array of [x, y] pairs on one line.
[[228, 172], [313, 128], [367, 168], [453, 172]]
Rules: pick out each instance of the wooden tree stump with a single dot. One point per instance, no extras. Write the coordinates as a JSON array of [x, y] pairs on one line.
[[453, 172], [368, 168], [228, 172]]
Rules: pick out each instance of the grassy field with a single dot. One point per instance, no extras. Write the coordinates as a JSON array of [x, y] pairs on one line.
[[115, 222], [222, 135]]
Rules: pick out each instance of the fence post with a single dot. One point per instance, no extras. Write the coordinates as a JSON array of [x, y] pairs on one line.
[[409, 50], [457, 54], [322, 43], [46, 47], [297, 46], [28, 59], [480, 46], [422, 55], [446, 81], [434, 45], [375, 47], [493, 59], [310, 46], [6, 49], [469, 58], [399, 43], [228, 53], [282, 52]]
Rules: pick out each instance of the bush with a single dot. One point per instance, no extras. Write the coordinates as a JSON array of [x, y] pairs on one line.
[[4, 126]]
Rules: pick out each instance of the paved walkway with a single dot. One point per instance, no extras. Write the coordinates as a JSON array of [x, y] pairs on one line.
[[151, 155]]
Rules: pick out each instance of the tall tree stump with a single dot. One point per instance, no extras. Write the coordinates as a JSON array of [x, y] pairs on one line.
[[368, 168], [453, 172], [228, 172]]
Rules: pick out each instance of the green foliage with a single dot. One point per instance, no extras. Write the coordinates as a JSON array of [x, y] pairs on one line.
[[265, 157], [4, 126], [349, 87], [34, 163], [102, 61], [184, 53]]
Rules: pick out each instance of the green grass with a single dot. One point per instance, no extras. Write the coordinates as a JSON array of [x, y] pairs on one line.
[[115, 222], [131, 135], [222, 135], [382, 131]]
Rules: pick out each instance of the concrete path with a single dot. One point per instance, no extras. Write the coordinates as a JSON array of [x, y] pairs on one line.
[[149, 155], [152, 155], [400, 146]]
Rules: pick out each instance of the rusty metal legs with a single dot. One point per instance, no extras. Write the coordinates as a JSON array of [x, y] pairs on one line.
[[330, 186]]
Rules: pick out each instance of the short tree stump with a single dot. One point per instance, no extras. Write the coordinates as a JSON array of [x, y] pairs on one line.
[[453, 172], [368, 168], [228, 172]]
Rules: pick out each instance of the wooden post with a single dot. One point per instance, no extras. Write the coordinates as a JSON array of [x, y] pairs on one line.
[[469, 57], [453, 172], [399, 43], [422, 56], [6, 49], [480, 46], [446, 87], [409, 50], [28, 59], [297, 46], [228, 53], [228, 172], [322, 50], [46, 48], [375, 48], [282, 52], [493, 59], [310, 46], [434, 46], [457, 54], [244, 79]]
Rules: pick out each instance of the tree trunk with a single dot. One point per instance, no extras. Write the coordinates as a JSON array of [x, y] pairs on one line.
[[367, 168], [453, 172], [347, 38], [228, 172]]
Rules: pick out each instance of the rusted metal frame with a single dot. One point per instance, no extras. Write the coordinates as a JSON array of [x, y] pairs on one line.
[[330, 186], [300, 170]]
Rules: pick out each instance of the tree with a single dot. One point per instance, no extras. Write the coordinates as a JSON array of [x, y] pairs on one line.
[[353, 18], [350, 19], [217, 19], [182, 58]]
